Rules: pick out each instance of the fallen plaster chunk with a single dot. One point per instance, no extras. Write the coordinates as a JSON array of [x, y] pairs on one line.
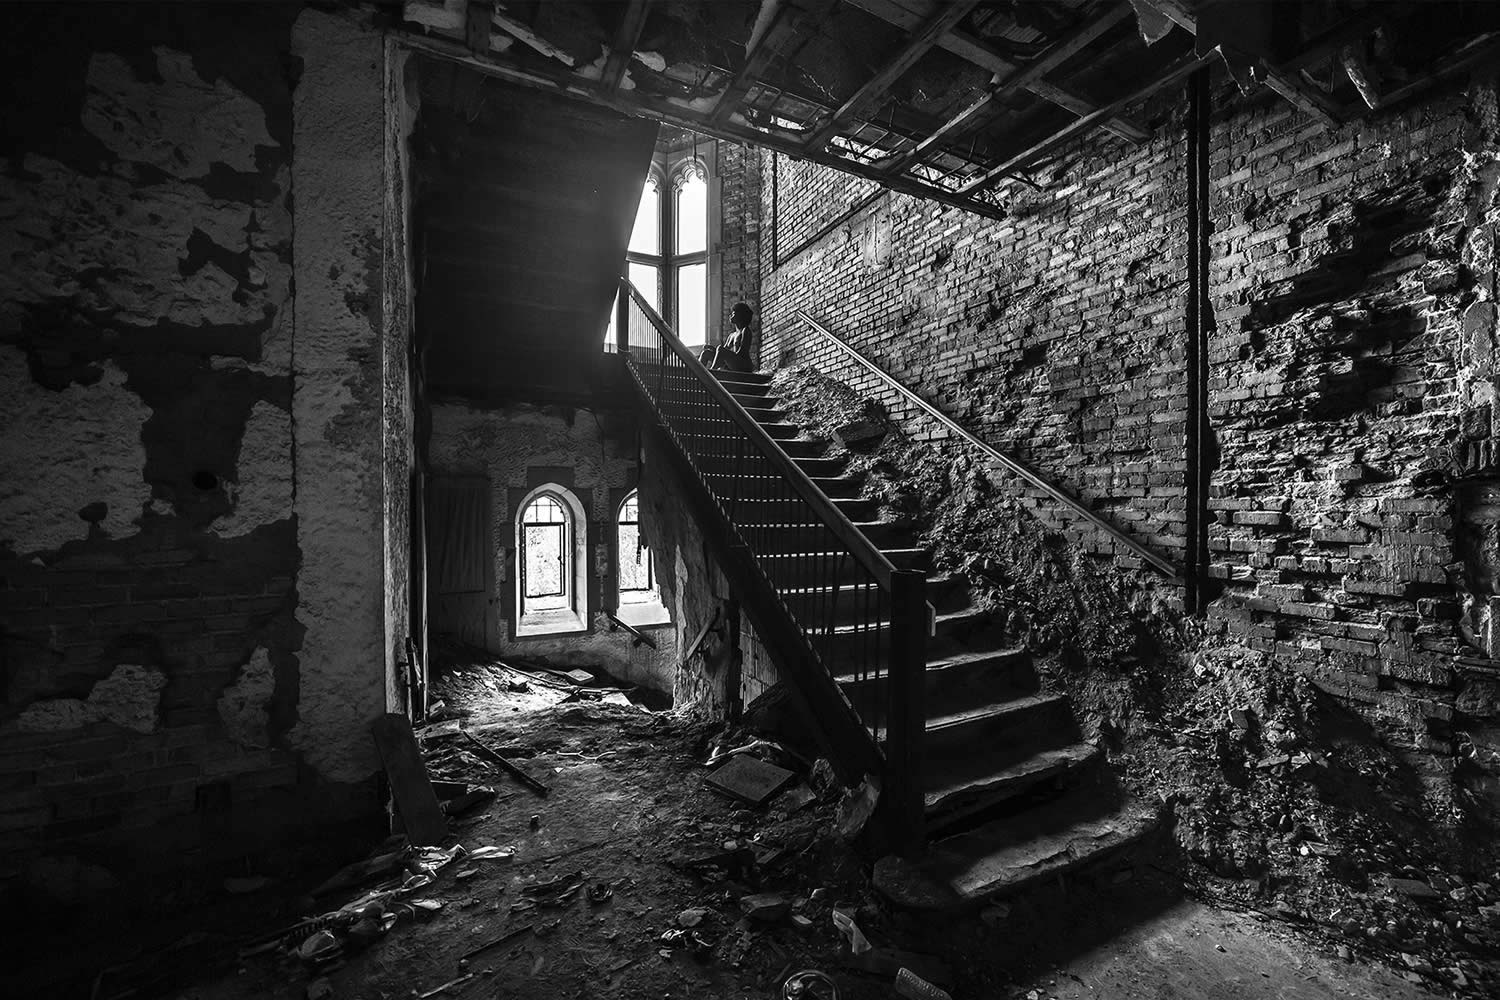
[[243, 706], [128, 697]]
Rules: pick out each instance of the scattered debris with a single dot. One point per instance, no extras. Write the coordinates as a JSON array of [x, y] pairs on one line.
[[766, 907], [843, 919], [809, 984], [505, 938], [446, 986], [749, 780], [505, 765], [856, 808], [914, 987]]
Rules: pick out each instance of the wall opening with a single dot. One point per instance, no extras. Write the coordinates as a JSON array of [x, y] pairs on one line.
[[639, 599]]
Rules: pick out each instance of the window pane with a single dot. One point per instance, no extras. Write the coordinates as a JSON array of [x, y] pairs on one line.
[[609, 331], [646, 237], [692, 213], [644, 277], [635, 562], [692, 303], [545, 570]]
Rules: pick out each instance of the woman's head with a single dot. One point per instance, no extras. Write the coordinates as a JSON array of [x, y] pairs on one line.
[[741, 314]]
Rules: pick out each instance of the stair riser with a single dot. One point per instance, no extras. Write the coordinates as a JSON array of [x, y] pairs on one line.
[[960, 685], [951, 810], [1048, 724]]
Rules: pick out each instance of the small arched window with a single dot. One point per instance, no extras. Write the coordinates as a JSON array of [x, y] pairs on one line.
[[550, 563], [639, 600], [637, 578]]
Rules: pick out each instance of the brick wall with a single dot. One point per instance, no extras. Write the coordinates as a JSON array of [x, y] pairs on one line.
[[1353, 280], [1032, 332], [739, 226]]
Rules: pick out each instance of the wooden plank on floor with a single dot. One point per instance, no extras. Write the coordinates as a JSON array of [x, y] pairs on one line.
[[416, 802]]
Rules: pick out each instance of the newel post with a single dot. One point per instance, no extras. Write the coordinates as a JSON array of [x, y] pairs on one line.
[[907, 711]]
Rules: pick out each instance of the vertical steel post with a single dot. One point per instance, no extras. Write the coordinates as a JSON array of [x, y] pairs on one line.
[[1199, 223], [906, 710]]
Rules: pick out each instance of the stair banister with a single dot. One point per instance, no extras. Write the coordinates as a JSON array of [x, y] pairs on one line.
[[902, 799], [1012, 464], [869, 556]]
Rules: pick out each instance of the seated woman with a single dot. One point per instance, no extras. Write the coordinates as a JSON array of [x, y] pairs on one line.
[[734, 353]]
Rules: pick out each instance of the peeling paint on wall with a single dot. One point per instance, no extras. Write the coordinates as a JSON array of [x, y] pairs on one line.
[[179, 123], [261, 488], [243, 707], [130, 697], [63, 451]]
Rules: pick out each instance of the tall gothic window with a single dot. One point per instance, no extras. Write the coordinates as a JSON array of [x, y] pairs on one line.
[[669, 249]]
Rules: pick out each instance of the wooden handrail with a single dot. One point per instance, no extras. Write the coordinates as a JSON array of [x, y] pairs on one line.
[[854, 540], [1013, 464]]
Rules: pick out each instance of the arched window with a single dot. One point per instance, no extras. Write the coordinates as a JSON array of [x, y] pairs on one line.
[[639, 600], [550, 592], [669, 248], [637, 578]]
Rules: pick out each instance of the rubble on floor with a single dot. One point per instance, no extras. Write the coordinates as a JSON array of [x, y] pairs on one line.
[[635, 877]]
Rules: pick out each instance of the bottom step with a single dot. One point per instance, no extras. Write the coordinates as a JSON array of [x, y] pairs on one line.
[[1006, 855]]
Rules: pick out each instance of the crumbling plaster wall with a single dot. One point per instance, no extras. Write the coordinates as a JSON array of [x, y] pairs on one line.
[[592, 454], [191, 576], [1351, 376]]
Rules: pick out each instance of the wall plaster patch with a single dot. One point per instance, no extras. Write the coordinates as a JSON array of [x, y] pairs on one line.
[[62, 451], [262, 482], [243, 705], [128, 697], [180, 123]]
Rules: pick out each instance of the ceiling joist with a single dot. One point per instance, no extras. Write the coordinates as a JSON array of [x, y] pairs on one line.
[[626, 38], [975, 114], [874, 89]]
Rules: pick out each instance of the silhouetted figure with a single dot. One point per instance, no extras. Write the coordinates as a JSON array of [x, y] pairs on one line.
[[734, 353]]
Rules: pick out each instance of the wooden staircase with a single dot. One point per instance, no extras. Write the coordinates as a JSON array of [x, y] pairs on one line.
[[1011, 791]]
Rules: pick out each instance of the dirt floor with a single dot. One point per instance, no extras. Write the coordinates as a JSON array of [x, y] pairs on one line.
[[593, 891]]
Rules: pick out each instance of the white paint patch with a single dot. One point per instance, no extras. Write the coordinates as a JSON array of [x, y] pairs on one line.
[[74, 222], [243, 705], [61, 451], [180, 123], [128, 697], [262, 486]]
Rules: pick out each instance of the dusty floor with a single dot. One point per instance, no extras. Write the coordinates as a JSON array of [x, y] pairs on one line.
[[627, 807]]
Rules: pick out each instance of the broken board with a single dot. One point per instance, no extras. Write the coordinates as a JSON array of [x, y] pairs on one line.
[[749, 780], [416, 802]]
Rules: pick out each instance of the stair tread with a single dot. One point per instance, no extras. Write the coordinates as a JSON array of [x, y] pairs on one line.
[[1009, 706], [1005, 855], [978, 774], [952, 661]]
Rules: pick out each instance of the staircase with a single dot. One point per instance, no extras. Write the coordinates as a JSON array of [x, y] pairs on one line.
[[1011, 792], [988, 784]]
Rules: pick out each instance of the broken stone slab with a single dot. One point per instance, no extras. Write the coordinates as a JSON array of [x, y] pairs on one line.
[[766, 907], [1242, 718], [1411, 888], [691, 917], [860, 433], [749, 780]]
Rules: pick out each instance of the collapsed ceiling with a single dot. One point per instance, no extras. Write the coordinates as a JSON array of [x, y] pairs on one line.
[[950, 99]]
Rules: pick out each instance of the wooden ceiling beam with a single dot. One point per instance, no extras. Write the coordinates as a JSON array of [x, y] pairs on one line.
[[787, 23], [623, 49], [555, 81], [1288, 84], [1176, 71], [967, 47], [874, 89], [1054, 56]]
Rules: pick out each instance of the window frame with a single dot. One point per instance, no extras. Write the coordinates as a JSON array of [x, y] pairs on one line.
[[573, 617], [668, 169]]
